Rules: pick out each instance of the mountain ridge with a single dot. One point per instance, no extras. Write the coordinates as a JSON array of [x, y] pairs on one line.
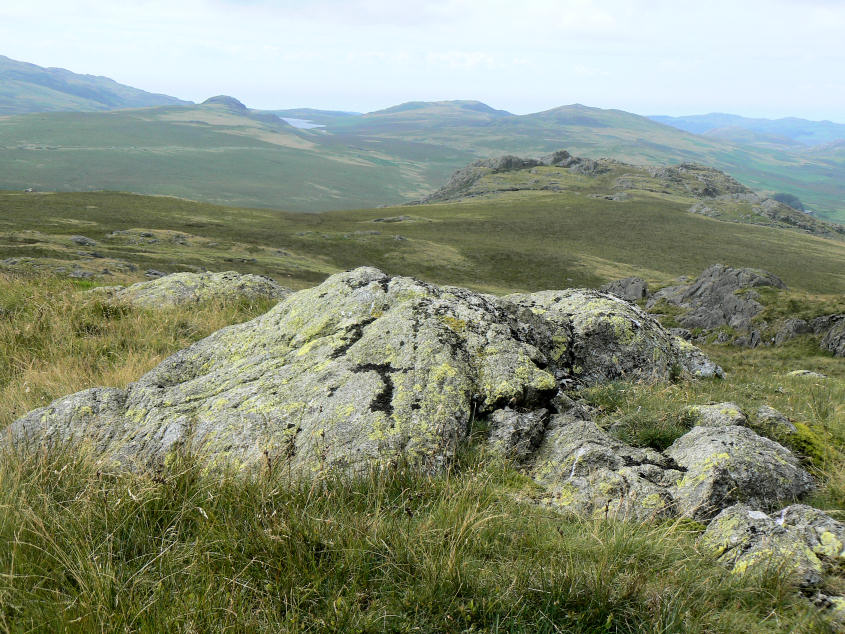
[[26, 88]]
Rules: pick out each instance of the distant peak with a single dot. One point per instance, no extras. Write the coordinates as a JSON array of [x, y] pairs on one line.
[[225, 100]]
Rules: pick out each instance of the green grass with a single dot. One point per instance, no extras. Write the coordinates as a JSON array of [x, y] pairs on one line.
[[519, 241], [81, 550]]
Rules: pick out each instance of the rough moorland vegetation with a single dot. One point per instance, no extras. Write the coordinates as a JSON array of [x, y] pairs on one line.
[[394, 548]]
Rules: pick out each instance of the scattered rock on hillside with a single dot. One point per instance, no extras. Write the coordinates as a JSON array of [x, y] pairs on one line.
[[790, 329], [717, 415], [367, 367], [732, 464], [834, 339], [83, 241], [178, 289], [632, 289], [712, 300], [809, 374]]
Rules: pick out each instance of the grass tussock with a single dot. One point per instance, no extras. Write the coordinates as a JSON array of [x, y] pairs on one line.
[[394, 550], [390, 551], [56, 341]]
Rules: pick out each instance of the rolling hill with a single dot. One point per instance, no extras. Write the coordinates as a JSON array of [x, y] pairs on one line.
[[225, 153], [29, 88]]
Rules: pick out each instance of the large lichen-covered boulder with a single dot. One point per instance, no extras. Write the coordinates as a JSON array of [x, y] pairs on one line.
[[178, 289], [604, 338], [363, 367], [587, 472], [749, 540], [724, 465]]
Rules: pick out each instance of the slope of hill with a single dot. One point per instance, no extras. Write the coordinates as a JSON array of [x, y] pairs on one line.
[[800, 131], [29, 88], [220, 152], [518, 240]]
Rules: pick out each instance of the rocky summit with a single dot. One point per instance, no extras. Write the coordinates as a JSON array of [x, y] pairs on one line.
[[365, 367]]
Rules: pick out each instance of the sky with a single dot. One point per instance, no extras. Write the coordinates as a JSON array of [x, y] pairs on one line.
[[767, 58]]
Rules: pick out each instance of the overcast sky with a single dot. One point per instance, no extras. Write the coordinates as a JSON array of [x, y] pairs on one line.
[[752, 57]]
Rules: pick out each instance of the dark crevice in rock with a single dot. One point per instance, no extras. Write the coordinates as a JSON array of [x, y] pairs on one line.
[[383, 401], [354, 334]]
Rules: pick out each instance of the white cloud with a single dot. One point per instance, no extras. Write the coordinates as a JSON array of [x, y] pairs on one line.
[[758, 57]]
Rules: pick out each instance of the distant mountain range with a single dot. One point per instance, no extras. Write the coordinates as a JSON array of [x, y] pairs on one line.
[[788, 131], [29, 88], [222, 151]]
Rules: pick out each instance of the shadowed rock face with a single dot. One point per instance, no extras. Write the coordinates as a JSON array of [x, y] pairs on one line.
[[178, 289], [365, 367]]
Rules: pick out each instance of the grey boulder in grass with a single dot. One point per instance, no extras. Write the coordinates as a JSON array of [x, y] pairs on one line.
[[179, 289], [365, 368]]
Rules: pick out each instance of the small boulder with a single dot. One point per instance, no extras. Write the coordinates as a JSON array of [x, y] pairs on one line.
[[587, 472], [83, 241], [790, 329], [807, 374], [748, 540], [732, 464], [774, 422], [717, 415]]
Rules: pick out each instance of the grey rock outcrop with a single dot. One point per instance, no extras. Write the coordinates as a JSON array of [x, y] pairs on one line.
[[364, 368], [517, 434], [724, 465], [712, 300], [790, 329], [632, 289], [178, 289]]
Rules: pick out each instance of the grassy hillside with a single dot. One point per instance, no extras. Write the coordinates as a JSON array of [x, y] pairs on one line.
[[29, 88], [214, 153], [515, 241], [241, 157], [595, 133], [391, 551]]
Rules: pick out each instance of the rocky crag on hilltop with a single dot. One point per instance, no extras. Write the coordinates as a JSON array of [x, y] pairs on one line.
[[369, 369], [709, 191]]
